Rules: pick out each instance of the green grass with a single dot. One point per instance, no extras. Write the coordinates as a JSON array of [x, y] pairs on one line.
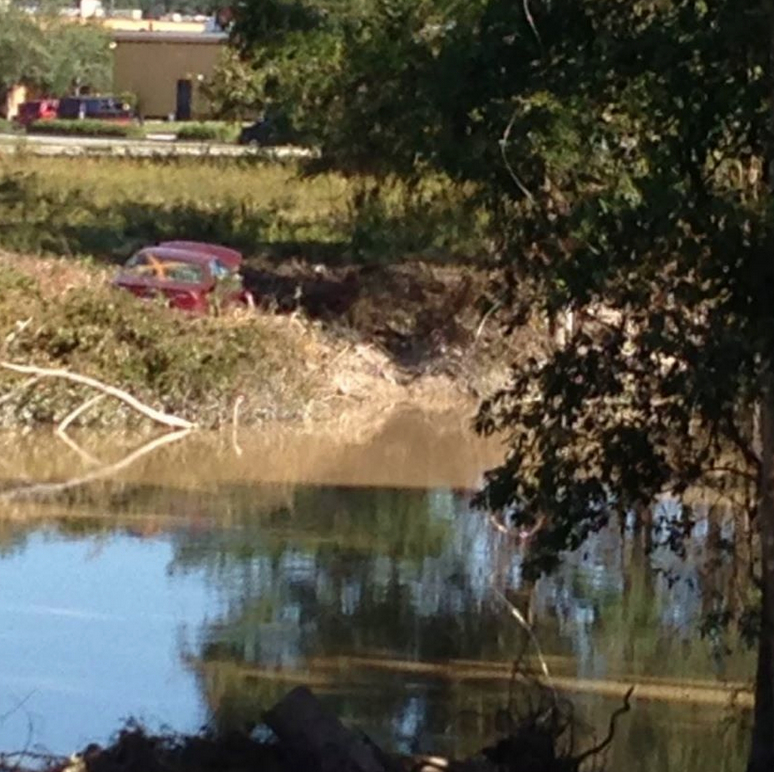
[[107, 207]]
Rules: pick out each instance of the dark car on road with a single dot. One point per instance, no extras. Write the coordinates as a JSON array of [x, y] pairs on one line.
[[191, 276], [103, 108], [270, 130]]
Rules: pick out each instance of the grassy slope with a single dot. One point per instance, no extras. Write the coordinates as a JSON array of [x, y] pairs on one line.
[[386, 318], [105, 207]]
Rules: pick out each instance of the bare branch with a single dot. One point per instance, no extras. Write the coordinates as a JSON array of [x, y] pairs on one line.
[[503, 150], [531, 22], [72, 416], [625, 708], [19, 389], [519, 617], [235, 425], [155, 415]]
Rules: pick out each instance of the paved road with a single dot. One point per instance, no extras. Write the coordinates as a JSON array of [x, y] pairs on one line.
[[154, 145]]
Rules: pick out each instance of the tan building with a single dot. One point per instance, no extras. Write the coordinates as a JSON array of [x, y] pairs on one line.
[[166, 70]]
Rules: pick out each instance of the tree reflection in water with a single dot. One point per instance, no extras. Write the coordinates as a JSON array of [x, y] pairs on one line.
[[343, 588]]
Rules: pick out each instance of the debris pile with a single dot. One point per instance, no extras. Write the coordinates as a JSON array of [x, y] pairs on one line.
[[303, 736]]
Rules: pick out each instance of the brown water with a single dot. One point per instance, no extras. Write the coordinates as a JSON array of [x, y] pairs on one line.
[[201, 581]]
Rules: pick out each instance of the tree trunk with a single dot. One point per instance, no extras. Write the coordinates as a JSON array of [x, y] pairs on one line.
[[762, 749]]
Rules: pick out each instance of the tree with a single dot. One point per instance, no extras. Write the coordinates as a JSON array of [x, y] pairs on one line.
[[52, 55], [22, 49], [622, 151], [640, 161]]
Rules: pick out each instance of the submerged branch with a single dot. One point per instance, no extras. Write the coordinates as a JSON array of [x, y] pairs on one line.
[[625, 708]]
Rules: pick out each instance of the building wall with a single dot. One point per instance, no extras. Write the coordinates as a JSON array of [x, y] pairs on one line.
[[151, 67]]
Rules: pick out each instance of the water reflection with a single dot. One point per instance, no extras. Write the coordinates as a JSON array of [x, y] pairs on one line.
[[357, 568]]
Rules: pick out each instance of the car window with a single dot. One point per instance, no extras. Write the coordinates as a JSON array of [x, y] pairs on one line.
[[148, 265], [139, 265], [183, 273]]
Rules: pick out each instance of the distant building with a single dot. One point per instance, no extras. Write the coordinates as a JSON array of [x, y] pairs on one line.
[[11, 99], [166, 70]]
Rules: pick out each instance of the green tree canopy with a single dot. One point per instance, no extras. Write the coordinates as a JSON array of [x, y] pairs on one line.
[[623, 151], [52, 55]]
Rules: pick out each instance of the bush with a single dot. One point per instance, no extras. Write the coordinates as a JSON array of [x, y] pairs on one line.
[[86, 128], [208, 132], [188, 365]]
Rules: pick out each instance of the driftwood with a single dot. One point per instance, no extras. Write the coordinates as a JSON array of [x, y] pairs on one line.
[[172, 421]]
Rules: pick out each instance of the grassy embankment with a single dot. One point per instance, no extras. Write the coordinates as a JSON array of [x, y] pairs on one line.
[[384, 294]]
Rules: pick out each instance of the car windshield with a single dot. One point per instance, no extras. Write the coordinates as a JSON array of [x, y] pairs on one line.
[[164, 269]]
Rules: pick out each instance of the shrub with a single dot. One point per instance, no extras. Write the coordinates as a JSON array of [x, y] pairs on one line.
[[208, 132], [85, 128], [189, 365]]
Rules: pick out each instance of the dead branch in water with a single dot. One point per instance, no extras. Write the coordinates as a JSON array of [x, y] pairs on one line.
[[47, 489], [61, 430], [174, 422]]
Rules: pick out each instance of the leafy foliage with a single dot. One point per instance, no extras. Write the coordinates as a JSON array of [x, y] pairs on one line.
[[618, 152], [51, 55], [208, 131]]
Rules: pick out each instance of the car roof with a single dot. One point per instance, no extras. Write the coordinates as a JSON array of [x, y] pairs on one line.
[[229, 257]]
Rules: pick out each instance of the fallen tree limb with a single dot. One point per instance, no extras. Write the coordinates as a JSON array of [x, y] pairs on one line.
[[70, 417], [158, 416], [77, 449], [61, 430]]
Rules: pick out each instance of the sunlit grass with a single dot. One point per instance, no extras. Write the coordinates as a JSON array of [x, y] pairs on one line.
[[107, 206]]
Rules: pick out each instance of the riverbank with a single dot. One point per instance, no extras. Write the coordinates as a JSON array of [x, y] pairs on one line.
[[323, 344]]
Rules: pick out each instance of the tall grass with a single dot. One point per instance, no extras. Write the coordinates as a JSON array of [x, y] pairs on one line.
[[107, 207]]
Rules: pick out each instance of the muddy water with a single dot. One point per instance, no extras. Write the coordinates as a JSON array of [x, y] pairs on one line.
[[204, 578]]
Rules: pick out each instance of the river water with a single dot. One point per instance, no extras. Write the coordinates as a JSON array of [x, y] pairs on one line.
[[205, 578]]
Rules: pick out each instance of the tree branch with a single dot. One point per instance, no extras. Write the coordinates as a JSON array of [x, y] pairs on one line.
[[155, 415]]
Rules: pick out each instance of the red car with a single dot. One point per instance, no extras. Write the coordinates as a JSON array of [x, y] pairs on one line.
[[193, 276]]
